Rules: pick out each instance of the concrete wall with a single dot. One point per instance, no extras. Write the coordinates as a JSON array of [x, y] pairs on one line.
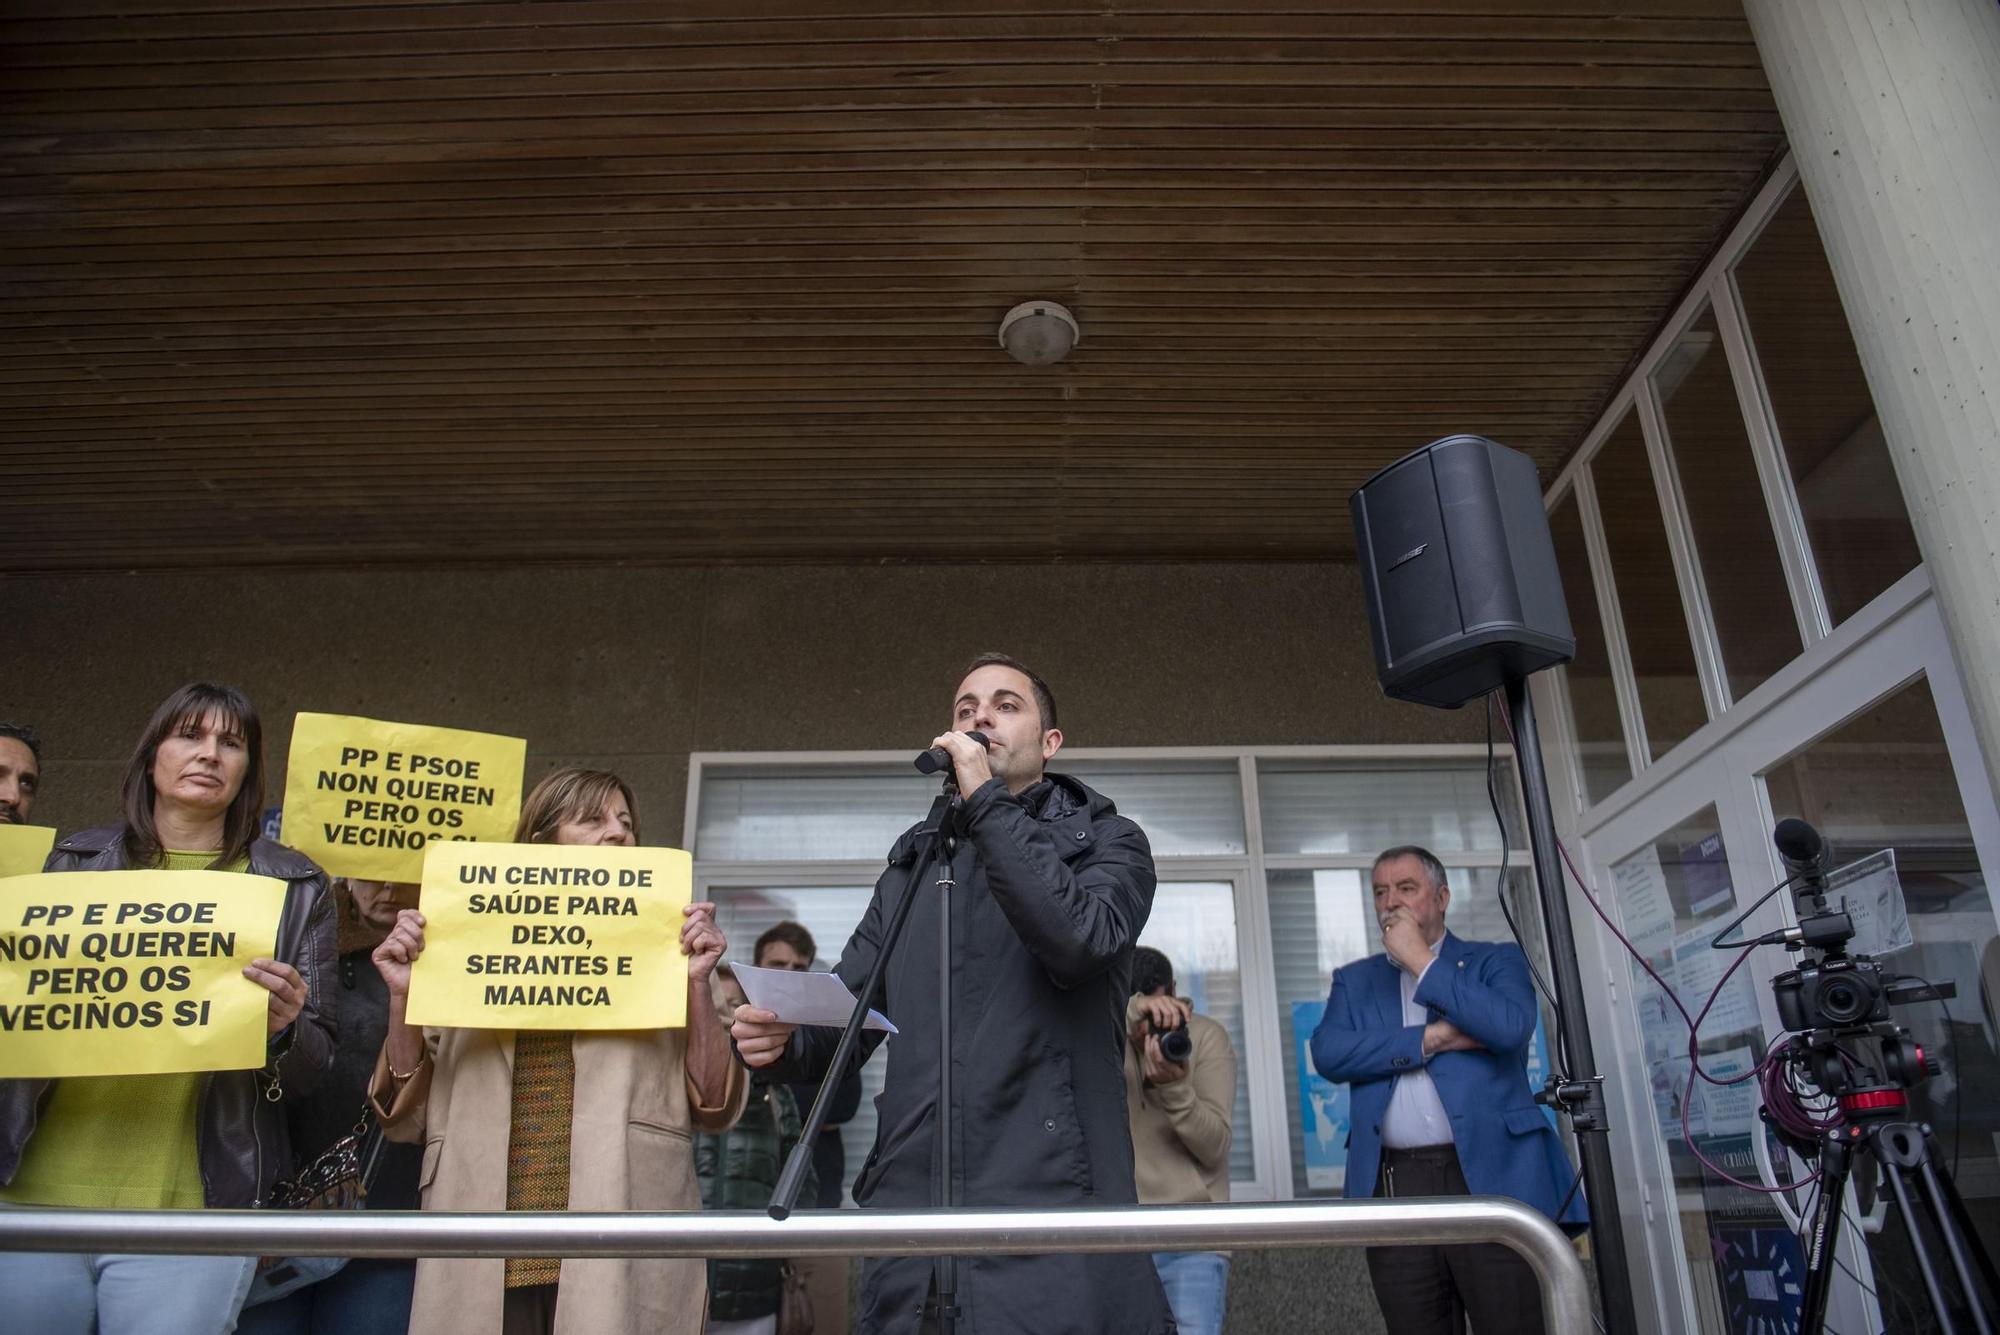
[[632, 668]]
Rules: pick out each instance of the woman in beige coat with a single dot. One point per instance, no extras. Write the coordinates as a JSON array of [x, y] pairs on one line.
[[543, 1120]]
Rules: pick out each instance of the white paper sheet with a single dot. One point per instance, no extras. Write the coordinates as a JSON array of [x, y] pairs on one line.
[[803, 998], [1640, 888]]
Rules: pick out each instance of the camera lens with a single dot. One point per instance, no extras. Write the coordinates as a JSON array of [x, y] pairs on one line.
[[1176, 1046], [1842, 1001]]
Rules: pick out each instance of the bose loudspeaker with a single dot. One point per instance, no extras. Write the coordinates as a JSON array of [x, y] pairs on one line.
[[1459, 571]]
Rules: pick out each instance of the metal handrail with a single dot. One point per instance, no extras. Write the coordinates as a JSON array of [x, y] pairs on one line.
[[1443, 1221]]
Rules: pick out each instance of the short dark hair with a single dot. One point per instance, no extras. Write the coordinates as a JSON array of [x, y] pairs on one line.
[[26, 736], [1417, 851], [792, 934], [1045, 700], [191, 704], [1151, 971]]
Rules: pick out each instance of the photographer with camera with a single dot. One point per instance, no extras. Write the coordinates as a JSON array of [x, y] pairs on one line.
[[1180, 1089]]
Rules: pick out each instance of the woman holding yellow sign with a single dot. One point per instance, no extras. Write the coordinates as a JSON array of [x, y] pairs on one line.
[[193, 799], [549, 1120]]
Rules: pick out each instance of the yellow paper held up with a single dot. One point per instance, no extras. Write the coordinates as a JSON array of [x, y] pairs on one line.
[[365, 798], [548, 936], [134, 972], [24, 849]]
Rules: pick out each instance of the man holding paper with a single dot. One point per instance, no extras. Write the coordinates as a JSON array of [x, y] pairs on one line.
[[1052, 889]]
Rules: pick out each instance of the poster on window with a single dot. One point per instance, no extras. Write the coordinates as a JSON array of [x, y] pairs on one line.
[[1322, 1106]]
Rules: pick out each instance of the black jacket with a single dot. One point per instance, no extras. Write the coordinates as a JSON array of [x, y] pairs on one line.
[[1054, 888], [240, 1133]]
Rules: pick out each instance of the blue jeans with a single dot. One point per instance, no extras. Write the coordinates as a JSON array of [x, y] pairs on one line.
[[1197, 1285], [363, 1297], [72, 1294]]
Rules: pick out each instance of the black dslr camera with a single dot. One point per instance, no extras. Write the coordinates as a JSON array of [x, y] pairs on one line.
[[1839, 992]]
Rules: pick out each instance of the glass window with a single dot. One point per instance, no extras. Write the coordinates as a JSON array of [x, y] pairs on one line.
[[1854, 512], [831, 914], [1323, 918], [1194, 926], [1884, 780], [1741, 573], [1602, 761], [1187, 808], [1311, 810], [827, 813], [1674, 894], [1649, 599]]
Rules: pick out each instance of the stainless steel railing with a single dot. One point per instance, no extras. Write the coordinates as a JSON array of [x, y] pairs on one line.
[[962, 1232]]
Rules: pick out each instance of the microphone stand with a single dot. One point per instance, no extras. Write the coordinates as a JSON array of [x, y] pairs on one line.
[[937, 842]]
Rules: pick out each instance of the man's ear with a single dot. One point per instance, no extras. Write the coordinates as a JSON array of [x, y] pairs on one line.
[[1052, 740]]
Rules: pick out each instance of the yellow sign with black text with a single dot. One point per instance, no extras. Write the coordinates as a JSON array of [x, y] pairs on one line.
[[24, 849], [552, 936], [365, 798], [134, 972]]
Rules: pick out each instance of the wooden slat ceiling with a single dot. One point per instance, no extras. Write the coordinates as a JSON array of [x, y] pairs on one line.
[[496, 282]]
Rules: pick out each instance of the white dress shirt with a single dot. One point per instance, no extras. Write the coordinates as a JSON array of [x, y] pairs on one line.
[[1416, 1115]]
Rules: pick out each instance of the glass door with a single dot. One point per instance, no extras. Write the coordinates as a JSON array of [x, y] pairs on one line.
[[1874, 745]]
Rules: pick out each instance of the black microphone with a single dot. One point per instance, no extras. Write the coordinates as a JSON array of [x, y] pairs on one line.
[[1804, 854], [937, 758]]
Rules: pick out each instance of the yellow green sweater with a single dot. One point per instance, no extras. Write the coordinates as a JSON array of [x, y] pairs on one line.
[[118, 1141]]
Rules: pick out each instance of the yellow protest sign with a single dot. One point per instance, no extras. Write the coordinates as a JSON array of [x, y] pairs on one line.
[[24, 849], [365, 798], [134, 972], [549, 936]]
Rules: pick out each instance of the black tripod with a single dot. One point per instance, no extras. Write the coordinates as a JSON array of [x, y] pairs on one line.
[[937, 843], [1837, 1006], [1926, 1199]]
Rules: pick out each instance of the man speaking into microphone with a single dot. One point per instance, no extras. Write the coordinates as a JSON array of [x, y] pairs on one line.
[[1053, 887]]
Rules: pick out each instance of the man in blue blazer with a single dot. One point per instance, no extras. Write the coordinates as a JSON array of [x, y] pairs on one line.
[[1433, 1035]]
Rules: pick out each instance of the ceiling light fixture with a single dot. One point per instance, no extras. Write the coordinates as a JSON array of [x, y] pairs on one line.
[[1038, 333]]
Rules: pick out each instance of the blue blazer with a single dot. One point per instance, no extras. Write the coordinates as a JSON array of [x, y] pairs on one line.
[[1505, 1143]]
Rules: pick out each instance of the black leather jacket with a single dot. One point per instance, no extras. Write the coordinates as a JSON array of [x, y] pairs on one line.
[[240, 1132]]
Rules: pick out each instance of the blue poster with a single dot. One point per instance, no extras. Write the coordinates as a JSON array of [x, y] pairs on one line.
[[1322, 1106]]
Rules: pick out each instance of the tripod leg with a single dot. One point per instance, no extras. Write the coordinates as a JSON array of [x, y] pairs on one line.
[[1836, 1157], [1897, 1173], [1962, 1219], [1946, 1212]]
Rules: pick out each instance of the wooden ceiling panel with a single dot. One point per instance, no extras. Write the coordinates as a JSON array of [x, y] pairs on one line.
[[497, 282]]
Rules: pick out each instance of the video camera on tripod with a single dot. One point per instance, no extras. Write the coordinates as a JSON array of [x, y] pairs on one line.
[[1842, 995], [1838, 1008]]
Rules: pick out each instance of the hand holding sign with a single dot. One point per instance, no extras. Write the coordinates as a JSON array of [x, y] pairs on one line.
[[287, 989], [398, 951], [701, 941]]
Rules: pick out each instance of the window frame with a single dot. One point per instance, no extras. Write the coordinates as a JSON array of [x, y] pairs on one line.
[[1715, 289], [1262, 1064]]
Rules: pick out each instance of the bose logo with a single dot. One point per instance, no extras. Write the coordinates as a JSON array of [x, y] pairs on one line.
[[1410, 555]]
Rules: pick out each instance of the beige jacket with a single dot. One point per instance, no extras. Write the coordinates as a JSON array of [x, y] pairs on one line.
[[630, 1149], [1181, 1131]]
